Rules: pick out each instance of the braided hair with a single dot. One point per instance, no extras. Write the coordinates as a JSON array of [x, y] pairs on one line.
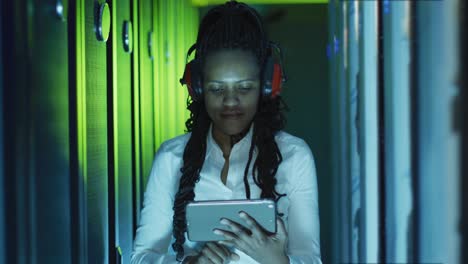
[[233, 25]]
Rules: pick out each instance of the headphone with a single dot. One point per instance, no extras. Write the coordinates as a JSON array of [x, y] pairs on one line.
[[273, 76]]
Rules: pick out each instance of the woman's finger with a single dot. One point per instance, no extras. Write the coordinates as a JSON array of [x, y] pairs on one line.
[[256, 229], [240, 231], [228, 243], [281, 228], [221, 251], [211, 255], [234, 256], [232, 239], [202, 259], [229, 253], [226, 234], [232, 243]]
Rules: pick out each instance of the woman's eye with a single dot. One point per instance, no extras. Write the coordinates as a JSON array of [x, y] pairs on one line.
[[215, 89], [245, 88]]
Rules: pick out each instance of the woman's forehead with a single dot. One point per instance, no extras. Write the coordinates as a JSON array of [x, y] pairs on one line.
[[231, 64]]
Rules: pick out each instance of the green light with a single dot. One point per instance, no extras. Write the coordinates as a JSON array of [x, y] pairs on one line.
[[176, 25], [81, 90]]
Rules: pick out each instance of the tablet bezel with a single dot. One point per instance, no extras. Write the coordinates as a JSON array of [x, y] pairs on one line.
[[204, 216]]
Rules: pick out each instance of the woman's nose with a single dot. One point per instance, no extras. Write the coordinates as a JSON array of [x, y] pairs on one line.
[[230, 97]]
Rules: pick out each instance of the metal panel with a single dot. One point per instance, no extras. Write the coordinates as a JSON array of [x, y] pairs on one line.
[[463, 31], [38, 164], [2, 175], [146, 86], [397, 125], [438, 151], [343, 140], [50, 164], [368, 136], [335, 151], [95, 159], [77, 134], [352, 64], [15, 52], [137, 179], [121, 116]]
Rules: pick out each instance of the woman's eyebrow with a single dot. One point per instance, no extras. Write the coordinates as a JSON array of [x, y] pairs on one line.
[[218, 81]]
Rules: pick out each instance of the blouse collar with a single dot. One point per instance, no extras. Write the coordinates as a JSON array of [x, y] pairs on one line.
[[238, 151]]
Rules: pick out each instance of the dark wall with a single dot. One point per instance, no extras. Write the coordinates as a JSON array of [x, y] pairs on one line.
[[2, 176], [302, 32]]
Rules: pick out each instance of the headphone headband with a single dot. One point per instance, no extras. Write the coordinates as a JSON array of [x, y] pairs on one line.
[[191, 49]]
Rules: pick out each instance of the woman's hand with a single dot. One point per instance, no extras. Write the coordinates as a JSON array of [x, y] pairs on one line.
[[254, 241], [212, 253]]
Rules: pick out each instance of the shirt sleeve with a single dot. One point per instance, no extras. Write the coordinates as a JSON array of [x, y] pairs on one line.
[[303, 218], [154, 231]]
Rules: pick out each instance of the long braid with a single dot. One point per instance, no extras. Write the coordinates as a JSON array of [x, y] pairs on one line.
[[267, 122], [194, 156], [230, 26], [246, 171]]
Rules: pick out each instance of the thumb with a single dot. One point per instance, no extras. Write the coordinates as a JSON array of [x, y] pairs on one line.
[[281, 228]]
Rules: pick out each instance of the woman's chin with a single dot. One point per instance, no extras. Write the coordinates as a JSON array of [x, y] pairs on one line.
[[236, 130], [232, 132]]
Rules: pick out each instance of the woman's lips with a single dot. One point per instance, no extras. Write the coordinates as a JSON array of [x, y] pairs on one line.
[[231, 115]]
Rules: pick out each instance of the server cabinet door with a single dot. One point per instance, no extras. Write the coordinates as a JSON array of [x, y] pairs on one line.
[[92, 113], [36, 120], [2, 174], [49, 106], [121, 150], [146, 57]]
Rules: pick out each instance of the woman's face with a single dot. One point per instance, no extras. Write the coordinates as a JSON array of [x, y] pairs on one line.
[[231, 90]]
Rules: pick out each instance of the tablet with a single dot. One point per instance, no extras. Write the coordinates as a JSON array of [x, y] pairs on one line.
[[204, 216]]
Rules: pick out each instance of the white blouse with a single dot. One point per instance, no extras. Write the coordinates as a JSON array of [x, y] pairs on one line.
[[296, 177]]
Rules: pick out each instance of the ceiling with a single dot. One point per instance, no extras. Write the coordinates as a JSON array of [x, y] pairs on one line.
[[260, 2]]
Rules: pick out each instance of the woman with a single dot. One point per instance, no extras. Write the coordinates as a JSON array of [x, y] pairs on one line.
[[235, 149]]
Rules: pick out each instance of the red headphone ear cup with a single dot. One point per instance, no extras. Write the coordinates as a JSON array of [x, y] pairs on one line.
[[268, 73], [187, 79], [276, 81]]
